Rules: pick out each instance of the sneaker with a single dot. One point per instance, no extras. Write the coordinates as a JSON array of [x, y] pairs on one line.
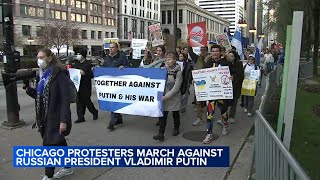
[[62, 173], [219, 122], [208, 139], [232, 120], [111, 127], [79, 121], [245, 110], [95, 117], [249, 115], [46, 178], [198, 122], [175, 132], [224, 131], [159, 137]]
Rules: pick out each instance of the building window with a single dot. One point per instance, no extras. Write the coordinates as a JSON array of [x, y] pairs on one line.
[[26, 30], [125, 28], [99, 35], [40, 12], [57, 15], [169, 17], [84, 18], [64, 15], [149, 24], [106, 35], [78, 18], [142, 29], [57, 1], [31, 11], [93, 34], [134, 28], [63, 2], [125, 9], [73, 17], [78, 4], [84, 5], [112, 35], [39, 31], [84, 34], [180, 16]]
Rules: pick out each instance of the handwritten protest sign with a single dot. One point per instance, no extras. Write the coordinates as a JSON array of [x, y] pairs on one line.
[[223, 41], [130, 90], [157, 38], [213, 84]]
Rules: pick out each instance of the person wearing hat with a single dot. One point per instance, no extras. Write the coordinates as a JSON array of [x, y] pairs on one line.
[[84, 93], [249, 100]]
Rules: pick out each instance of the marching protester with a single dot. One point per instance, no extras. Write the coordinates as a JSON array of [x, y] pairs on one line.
[[216, 61], [238, 76], [199, 64], [85, 88], [115, 59], [53, 115], [269, 60], [249, 100], [161, 52], [172, 97], [187, 79], [147, 59]]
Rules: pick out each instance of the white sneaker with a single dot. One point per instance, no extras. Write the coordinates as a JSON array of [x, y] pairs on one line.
[[63, 172], [224, 131], [208, 139], [198, 122], [232, 120], [249, 115], [219, 122], [46, 178], [246, 110]]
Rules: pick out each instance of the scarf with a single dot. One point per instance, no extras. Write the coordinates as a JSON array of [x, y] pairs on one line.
[[43, 81]]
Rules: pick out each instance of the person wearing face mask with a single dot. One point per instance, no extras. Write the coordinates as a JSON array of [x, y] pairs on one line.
[[187, 80], [84, 94], [172, 97], [249, 100], [53, 115]]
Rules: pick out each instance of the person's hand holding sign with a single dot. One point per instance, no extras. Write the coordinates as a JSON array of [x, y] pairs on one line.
[[82, 72], [121, 67], [164, 98]]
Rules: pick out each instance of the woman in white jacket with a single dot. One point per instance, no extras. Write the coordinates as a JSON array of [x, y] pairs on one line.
[[248, 68]]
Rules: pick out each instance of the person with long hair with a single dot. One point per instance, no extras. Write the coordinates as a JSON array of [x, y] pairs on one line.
[[53, 115], [147, 58]]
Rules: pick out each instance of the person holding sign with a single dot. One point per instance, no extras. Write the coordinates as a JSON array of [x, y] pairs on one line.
[[84, 94], [249, 87], [172, 97], [216, 61], [115, 59]]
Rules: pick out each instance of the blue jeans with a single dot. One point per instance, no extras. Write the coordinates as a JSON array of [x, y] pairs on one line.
[[114, 118]]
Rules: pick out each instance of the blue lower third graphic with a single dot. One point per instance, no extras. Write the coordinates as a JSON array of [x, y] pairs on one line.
[[120, 156]]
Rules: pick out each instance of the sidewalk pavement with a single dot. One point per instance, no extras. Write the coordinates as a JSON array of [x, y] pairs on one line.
[[136, 131]]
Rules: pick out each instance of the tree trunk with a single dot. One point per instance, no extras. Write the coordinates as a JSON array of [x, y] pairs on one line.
[[58, 52], [316, 41]]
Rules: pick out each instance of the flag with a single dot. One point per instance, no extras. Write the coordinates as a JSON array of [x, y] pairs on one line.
[[236, 42], [227, 31], [257, 53]]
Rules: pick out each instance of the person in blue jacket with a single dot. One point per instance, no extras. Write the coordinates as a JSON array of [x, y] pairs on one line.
[[115, 59]]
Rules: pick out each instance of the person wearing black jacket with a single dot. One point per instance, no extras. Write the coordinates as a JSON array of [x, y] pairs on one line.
[[115, 59], [216, 61], [187, 79], [85, 88], [53, 115]]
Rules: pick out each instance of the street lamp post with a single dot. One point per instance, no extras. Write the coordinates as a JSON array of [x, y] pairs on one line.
[[242, 24], [253, 31], [175, 24]]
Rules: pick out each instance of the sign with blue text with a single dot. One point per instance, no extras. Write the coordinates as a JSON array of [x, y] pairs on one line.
[[134, 91]]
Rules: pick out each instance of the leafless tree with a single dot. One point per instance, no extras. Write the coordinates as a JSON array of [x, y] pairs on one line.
[[56, 34]]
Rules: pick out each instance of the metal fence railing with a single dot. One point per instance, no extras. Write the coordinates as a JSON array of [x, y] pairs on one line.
[[272, 160]]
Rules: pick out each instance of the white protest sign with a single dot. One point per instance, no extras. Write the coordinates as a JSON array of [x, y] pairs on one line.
[[213, 83], [136, 53], [255, 75], [139, 43], [75, 77]]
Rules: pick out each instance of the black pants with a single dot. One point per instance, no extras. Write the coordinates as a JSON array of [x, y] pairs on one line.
[[163, 120], [49, 171], [84, 102]]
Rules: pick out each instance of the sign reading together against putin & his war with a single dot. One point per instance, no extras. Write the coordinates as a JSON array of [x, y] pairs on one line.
[[213, 83], [197, 34], [134, 91]]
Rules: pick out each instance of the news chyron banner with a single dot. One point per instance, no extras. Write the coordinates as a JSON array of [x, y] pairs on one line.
[[134, 156], [134, 91]]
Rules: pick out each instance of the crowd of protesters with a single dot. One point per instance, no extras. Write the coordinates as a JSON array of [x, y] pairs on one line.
[[53, 115]]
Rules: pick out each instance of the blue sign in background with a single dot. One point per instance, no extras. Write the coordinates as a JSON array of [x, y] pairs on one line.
[[222, 161]]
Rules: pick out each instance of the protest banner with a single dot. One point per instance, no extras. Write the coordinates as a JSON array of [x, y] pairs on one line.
[[156, 33], [134, 91], [197, 34], [139, 43], [249, 86], [75, 77], [213, 83], [108, 41], [223, 41]]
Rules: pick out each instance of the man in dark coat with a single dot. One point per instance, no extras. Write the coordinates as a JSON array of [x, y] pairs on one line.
[[115, 59], [84, 94]]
